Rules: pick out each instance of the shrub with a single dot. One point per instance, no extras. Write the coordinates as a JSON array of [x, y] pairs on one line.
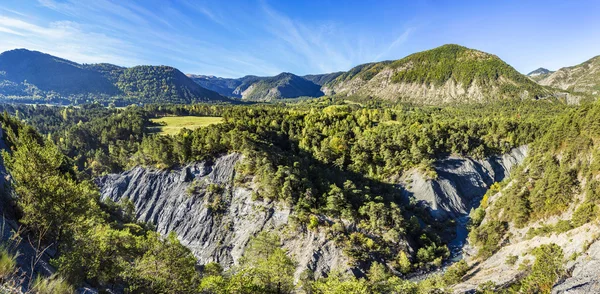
[[585, 213], [52, 285], [546, 269], [511, 259], [8, 263], [455, 272]]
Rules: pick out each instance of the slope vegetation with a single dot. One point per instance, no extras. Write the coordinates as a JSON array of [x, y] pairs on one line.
[[449, 73], [583, 78]]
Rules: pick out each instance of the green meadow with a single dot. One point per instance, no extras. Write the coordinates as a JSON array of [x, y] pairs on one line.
[[171, 125]]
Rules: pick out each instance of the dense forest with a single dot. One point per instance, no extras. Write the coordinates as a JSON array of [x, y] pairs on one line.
[[335, 161]]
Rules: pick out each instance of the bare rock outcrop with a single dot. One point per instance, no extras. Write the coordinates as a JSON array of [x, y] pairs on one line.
[[164, 198], [460, 182]]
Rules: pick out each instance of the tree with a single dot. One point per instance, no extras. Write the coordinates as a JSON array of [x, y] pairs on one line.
[[53, 202], [546, 269], [166, 267], [264, 268]]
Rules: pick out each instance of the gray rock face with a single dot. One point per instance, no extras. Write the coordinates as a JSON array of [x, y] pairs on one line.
[[584, 274], [461, 182], [162, 198]]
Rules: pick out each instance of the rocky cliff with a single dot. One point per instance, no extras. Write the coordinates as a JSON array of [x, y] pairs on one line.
[[183, 200], [179, 200], [583, 78], [460, 182]]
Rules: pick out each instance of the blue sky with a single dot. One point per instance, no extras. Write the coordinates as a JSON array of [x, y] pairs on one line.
[[266, 37]]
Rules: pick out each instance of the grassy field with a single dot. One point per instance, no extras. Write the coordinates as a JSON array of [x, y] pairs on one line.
[[171, 125]]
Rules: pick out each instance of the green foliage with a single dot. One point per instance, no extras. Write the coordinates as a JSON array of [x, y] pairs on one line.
[[51, 199], [166, 267], [511, 259], [546, 229], [455, 272], [487, 237], [585, 213], [464, 66], [8, 264], [404, 264], [545, 271], [264, 268], [51, 285]]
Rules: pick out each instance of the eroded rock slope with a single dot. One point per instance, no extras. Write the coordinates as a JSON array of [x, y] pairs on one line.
[[165, 198], [460, 182], [182, 200]]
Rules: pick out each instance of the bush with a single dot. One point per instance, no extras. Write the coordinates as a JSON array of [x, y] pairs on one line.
[[546, 269], [52, 285], [455, 272], [488, 236], [511, 259], [585, 213], [8, 263]]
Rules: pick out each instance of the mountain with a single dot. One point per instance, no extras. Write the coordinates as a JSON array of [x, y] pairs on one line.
[[283, 85], [322, 79], [160, 84], [583, 78], [223, 86], [539, 74], [254, 88], [34, 75], [450, 73]]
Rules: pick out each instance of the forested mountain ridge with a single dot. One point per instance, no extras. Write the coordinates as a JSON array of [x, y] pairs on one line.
[[583, 78], [36, 76], [322, 79], [25, 72], [283, 85], [449, 73]]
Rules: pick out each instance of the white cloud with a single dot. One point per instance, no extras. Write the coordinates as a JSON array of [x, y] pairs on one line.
[[259, 42], [66, 39]]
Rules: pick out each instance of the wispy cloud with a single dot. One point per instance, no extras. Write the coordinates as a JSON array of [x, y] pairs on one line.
[[327, 47], [193, 36], [394, 45], [63, 38]]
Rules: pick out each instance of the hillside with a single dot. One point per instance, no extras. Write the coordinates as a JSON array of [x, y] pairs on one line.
[[36, 76], [222, 86], [254, 88], [539, 74], [161, 84], [322, 79], [450, 73], [31, 73], [284, 85], [583, 78]]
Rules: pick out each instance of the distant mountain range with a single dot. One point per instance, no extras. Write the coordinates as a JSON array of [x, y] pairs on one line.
[[253, 88], [581, 78], [539, 74], [446, 74], [38, 76]]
